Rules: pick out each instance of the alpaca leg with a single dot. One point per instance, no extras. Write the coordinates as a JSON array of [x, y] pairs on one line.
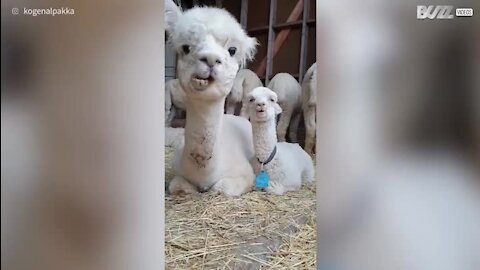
[[309, 117], [243, 111], [179, 185], [294, 128], [276, 188], [283, 123], [231, 105], [234, 186], [170, 117], [168, 108]]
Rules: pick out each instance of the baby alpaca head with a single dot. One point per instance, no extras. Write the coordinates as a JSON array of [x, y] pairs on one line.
[[262, 105], [211, 45]]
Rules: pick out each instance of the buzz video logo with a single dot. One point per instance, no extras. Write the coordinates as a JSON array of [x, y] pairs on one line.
[[441, 12], [434, 12]]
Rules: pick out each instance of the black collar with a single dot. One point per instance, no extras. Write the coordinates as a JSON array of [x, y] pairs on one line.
[[272, 155]]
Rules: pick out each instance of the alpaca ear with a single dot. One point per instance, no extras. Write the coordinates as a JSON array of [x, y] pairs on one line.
[[250, 48], [278, 109], [172, 15]]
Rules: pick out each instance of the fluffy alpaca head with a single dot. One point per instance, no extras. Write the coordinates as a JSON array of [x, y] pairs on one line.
[[211, 45], [262, 105]]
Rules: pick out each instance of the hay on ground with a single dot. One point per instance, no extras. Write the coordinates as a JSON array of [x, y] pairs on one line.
[[255, 230]]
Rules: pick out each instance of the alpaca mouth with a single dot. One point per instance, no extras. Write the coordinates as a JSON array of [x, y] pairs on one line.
[[261, 114], [201, 83]]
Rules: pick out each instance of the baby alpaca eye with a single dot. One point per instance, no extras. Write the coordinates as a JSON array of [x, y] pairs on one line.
[[186, 49], [272, 100], [232, 51], [252, 99]]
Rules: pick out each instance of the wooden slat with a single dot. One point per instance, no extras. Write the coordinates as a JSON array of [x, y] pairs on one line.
[[282, 36], [279, 26], [244, 13], [287, 25], [258, 30], [271, 37], [303, 48]]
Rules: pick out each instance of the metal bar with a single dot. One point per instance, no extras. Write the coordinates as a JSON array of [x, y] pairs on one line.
[[219, 3], [271, 38], [244, 13], [303, 48]]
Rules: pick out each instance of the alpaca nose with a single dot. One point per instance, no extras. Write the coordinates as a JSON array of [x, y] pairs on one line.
[[210, 59], [261, 104]]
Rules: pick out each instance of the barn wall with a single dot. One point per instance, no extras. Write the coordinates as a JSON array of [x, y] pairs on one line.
[[170, 63], [288, 57]]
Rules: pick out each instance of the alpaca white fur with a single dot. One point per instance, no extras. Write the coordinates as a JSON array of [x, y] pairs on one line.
[[174, 137], [243, 84], [309, 104], [211, 46], [174, 100], [288, 91], [291, 165]]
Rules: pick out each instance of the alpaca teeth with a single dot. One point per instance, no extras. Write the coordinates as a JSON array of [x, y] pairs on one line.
[[203, 82], [200, 82]]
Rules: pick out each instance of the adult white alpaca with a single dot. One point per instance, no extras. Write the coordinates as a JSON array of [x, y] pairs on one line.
[[309, 104], [211, 45], [286, 164], [174, 100], [243, 84], [288, 91]]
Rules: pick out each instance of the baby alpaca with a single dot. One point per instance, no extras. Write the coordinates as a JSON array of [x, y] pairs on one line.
[[288, 91], [287, 164], [309, 104], [174, 100], [243, 84]]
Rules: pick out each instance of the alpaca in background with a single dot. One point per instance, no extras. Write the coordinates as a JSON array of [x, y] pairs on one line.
[[309, 104], [174, 101], [288, 91], [244, 82]]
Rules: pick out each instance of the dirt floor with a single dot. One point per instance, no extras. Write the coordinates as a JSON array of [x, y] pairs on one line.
[[254, 231]]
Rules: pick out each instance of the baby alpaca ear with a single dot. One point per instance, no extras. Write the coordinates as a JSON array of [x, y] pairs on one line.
[[278, 109], [172, 15]]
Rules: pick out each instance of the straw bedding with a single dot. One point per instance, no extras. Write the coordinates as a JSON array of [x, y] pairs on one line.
[[254, 231]]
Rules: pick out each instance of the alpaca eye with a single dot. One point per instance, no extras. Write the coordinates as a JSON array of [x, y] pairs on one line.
[[232, 51], [186, 49], [252, 100], [272, 100]]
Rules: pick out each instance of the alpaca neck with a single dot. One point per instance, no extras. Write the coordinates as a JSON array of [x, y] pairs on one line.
[[202, 128], [264, 138]]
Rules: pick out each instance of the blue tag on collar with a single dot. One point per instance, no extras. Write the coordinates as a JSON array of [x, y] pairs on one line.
[[261, 181]]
